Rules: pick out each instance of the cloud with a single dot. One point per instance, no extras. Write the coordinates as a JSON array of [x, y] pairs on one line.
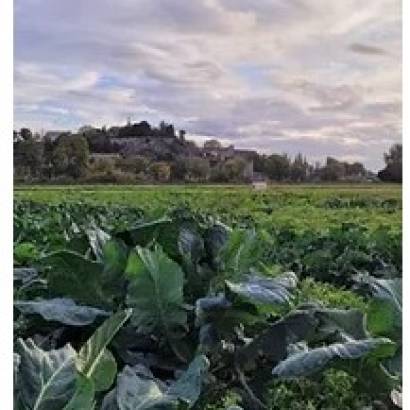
[[365, 49], [297, 75]]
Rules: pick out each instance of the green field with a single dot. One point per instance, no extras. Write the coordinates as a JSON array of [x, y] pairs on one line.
[[240, 280], [300, 206]]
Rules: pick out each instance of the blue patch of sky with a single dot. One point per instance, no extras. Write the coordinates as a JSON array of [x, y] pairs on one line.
[[255, 75], [107, 81]]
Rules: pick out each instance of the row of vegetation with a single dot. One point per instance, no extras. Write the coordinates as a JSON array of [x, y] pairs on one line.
[[71, 158], [185, 310]]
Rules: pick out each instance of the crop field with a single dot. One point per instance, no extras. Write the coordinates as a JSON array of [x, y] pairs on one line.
[[208, 297]]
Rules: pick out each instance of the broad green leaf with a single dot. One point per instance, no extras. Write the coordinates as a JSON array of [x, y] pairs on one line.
[[114, 256], [139, 391], [27, 283], [155, 291], [396, 398], [190, 245], [25, 253], [273, 342], [241, 252], [188, 387], [388, 289], [105, 372], [394, 364], [63, 310], [97, 239], [311, 361], [217, 318], [381, 317], [16, 367], [134, 392], [110, 400], [371, 376], [266, 291], [47, 380], [93, 358], [145, 233], [215, 239], [384, 289], [73, 275], [24, 275], [340, 323], [210, 308], [83, 398]]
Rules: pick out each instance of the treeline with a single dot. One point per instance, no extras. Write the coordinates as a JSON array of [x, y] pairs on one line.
[[283, 168], [90, 156]]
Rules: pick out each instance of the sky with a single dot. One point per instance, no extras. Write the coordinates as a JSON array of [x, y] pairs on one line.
[[313, 76]]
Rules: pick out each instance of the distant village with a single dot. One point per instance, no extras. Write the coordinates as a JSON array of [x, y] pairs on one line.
[[139, 152], [166, 146]]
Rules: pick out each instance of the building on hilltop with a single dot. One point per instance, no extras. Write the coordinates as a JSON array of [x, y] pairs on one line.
[[53, 135], [161, 148]]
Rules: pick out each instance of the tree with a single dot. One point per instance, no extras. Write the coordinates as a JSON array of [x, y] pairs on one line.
[[333, 170], [394, 155], [133, 164], [27, 156], [355, 169], [179, 169], [102, 166], [393, 172], [277, 167], [218, 173], [161, 171], [86, 129], [48, 153], [26, 134], [299, 169], [197, 169], [70, 156], [259, 162], [234, 168]]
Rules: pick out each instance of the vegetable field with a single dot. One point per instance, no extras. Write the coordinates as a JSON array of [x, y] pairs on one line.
[[207, 297]]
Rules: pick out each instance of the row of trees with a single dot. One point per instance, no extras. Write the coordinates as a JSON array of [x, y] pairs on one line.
[[143, 169], [68, 157], [35, 158], [283, 168]]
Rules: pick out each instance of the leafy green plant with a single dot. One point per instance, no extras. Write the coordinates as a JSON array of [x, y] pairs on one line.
[[196, 310]]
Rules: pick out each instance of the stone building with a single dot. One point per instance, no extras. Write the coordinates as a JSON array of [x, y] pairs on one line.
[[161, 148], [216, 153]]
